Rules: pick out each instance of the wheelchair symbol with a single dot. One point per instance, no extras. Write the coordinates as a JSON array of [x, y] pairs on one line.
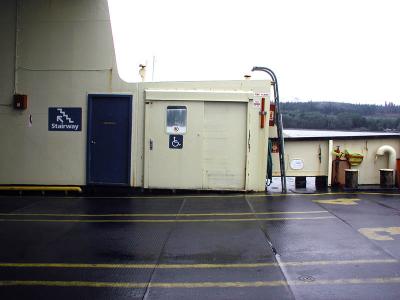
[[175, 143]]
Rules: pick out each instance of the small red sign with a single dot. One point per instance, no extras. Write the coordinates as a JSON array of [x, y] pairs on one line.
[[275, 147], [272, 114]]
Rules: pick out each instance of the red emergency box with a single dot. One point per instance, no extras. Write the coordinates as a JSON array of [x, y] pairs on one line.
[[20, 101]]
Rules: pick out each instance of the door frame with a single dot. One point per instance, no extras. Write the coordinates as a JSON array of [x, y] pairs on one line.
[[91, 98]]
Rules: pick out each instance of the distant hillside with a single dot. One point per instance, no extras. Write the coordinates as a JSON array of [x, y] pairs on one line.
[[341, 116]]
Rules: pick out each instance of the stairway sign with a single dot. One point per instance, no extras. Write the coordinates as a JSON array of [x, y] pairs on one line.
[[65, 119]]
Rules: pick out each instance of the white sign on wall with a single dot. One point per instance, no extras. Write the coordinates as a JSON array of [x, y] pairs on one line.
[[257, 102], [257, 99], [296, 164]]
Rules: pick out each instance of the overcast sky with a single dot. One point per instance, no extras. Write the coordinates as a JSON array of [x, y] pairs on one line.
[[343, 50]]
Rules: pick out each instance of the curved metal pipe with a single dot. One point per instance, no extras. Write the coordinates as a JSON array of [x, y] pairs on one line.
[[279, 123], [382, 150]]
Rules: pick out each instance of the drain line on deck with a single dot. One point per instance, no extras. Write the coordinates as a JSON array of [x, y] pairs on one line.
[[146, 293], [282, 267]]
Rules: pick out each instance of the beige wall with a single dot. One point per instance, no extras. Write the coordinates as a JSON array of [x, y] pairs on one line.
[[256, 158], [226, 93], [65, 52], [7, 51], [308, 152], [369, 168]]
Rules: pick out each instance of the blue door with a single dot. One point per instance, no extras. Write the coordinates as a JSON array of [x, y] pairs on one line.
[[109, 139]]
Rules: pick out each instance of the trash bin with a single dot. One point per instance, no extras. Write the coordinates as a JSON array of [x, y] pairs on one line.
[[351, 178], [386, 178]]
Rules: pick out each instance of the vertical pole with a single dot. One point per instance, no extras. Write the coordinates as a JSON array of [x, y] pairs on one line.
[[279, 125], [17, 29], [152, 73], [330, 160], [281, 147]]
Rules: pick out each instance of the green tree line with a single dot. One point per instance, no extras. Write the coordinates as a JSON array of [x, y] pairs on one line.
[[341, 116]]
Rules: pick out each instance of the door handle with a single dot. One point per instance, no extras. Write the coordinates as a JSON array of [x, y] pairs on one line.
[[151, 144]]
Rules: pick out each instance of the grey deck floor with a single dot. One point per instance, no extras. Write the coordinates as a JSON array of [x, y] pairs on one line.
[[203, 246]]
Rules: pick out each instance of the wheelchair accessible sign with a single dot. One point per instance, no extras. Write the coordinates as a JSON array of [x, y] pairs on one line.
[[176, 141], [65, 119]]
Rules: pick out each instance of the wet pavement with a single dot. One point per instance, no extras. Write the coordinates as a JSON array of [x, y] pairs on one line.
[[202, 246]]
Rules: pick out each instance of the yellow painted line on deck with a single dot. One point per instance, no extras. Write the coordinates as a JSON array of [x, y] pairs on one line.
[[188, 285], [199, 266], [235, 196], [165, 215], [40, 188], [380, 233], [324, 194], [164, 221], [179, 197], [339, 201]]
